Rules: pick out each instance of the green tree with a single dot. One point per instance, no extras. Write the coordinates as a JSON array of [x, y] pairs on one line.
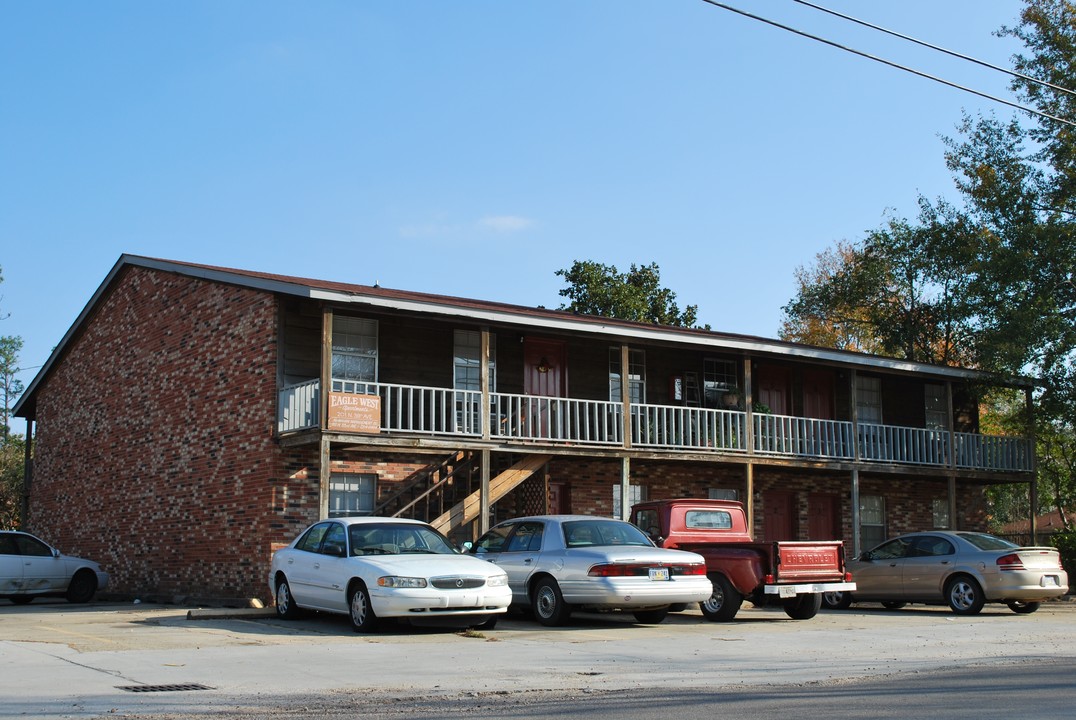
[[989, 281], [12, 446], [596, 289]]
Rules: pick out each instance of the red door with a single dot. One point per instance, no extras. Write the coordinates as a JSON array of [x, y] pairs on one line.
[[818, 394], [560, 498], [544, 371], [777, 513], [773, 385], [545, 374], [822, 514]]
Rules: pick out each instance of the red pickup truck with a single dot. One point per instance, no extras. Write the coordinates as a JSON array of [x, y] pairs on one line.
[[795, 574]]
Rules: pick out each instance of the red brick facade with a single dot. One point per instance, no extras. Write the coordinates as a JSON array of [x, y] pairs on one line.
[[155, 449]]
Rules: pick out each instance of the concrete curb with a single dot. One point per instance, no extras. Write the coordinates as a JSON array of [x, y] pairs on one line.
[[229, 613]]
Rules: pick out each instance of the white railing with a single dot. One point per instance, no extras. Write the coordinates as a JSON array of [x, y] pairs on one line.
[[443, 411], [904, 445], [669, 426], [808, 437], [532, 417], [992, 452], [298, 406]]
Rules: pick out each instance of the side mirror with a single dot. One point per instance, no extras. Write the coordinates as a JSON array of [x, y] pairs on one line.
[[866, 557], [466, 547], [334, 550], [55, 552]]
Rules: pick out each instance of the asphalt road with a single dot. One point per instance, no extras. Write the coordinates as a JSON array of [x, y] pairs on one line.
[[106, 660]]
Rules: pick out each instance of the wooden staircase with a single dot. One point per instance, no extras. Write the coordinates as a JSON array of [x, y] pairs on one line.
[[468, 510], [426, 492]]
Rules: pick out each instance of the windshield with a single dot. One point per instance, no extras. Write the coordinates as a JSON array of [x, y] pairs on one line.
[[397, 539], [589, 533], [988, 542]]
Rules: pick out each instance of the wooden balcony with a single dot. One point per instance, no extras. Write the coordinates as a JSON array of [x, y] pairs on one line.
[[441, 412]]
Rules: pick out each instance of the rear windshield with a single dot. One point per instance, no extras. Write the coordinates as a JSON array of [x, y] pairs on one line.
[[988, 542], [708, 520], [586, 533]]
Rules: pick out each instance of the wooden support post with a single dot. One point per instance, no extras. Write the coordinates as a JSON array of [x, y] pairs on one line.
[[625, 487], [483, 501], [857, 542], [749, 500], [625, 395], [324, 476]]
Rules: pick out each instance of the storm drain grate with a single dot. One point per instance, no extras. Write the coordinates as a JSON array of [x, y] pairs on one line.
[[182, 687]]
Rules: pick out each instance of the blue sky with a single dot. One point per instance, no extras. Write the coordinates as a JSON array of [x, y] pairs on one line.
[[468, 148]]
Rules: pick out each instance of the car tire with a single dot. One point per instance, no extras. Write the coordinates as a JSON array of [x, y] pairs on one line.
[[21, 599], [839, 600], [964, 595], [286, 609], [359, 609], [651, 617], [893, 605], [82, 587], [489, 623], [804, 606], [548, 603], [1023, 608], [723, 603]]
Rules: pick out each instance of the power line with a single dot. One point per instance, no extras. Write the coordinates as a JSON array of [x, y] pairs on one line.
[[953, 53], [892, 64]]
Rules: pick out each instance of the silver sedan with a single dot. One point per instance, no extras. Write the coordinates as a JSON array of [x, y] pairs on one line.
[[964, 569], [557, 563]]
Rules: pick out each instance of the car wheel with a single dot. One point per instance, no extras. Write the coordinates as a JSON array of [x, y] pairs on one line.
[[1023, 608], [21, 599], [83, 586], [804, 606], [964, 595], [893, 605], [286, 608], [651, 617], [360, 610], [488, 624], [548, 603], [724, 603], [837, 600]]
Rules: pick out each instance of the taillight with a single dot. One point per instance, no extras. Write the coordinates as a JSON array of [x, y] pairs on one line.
[[848, 577], [1011, 561], [768, 579], [616, 570]]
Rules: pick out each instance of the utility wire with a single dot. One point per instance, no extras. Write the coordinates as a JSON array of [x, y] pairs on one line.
[[892, 64], [985, 64]]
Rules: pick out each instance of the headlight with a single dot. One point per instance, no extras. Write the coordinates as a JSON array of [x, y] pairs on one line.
[[393, 581], [497, 581]]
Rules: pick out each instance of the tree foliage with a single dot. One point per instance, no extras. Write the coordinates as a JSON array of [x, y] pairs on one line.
[[597, 289], [12, 447], [988, 281]]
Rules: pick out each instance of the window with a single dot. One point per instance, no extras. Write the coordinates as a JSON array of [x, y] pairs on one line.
[[647, 521], [312, 539], [940, 507], [636, 375], [467, 360], [526, 538], [871, 520], [636, 494], [354, 354], [937, 408], [708, 519], [718, 377], [722, 494], [869, 400], [930, 546], [335, 542], [493, 541], [352, 495]]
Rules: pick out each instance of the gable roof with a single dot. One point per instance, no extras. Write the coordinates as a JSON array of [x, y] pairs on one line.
[[491, 312]]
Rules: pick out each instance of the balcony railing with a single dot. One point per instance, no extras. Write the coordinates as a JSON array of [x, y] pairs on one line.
[[534, 419]]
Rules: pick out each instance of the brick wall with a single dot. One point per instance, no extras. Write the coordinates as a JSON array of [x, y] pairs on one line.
[[154, 449]]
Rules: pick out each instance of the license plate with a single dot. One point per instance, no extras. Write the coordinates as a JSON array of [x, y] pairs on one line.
[[659, 573], [1049, 580], [786, 592]]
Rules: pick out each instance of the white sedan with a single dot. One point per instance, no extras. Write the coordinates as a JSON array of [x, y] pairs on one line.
[[557, 563], [30, 567], [370, 568]]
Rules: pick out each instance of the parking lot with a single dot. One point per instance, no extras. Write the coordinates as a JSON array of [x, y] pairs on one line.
[[61, 660]]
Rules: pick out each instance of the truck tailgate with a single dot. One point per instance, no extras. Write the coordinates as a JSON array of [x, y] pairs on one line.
[[799, 562]]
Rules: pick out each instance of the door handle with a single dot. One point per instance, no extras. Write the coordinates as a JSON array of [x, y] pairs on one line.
[[528, 561], [317, 566]]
